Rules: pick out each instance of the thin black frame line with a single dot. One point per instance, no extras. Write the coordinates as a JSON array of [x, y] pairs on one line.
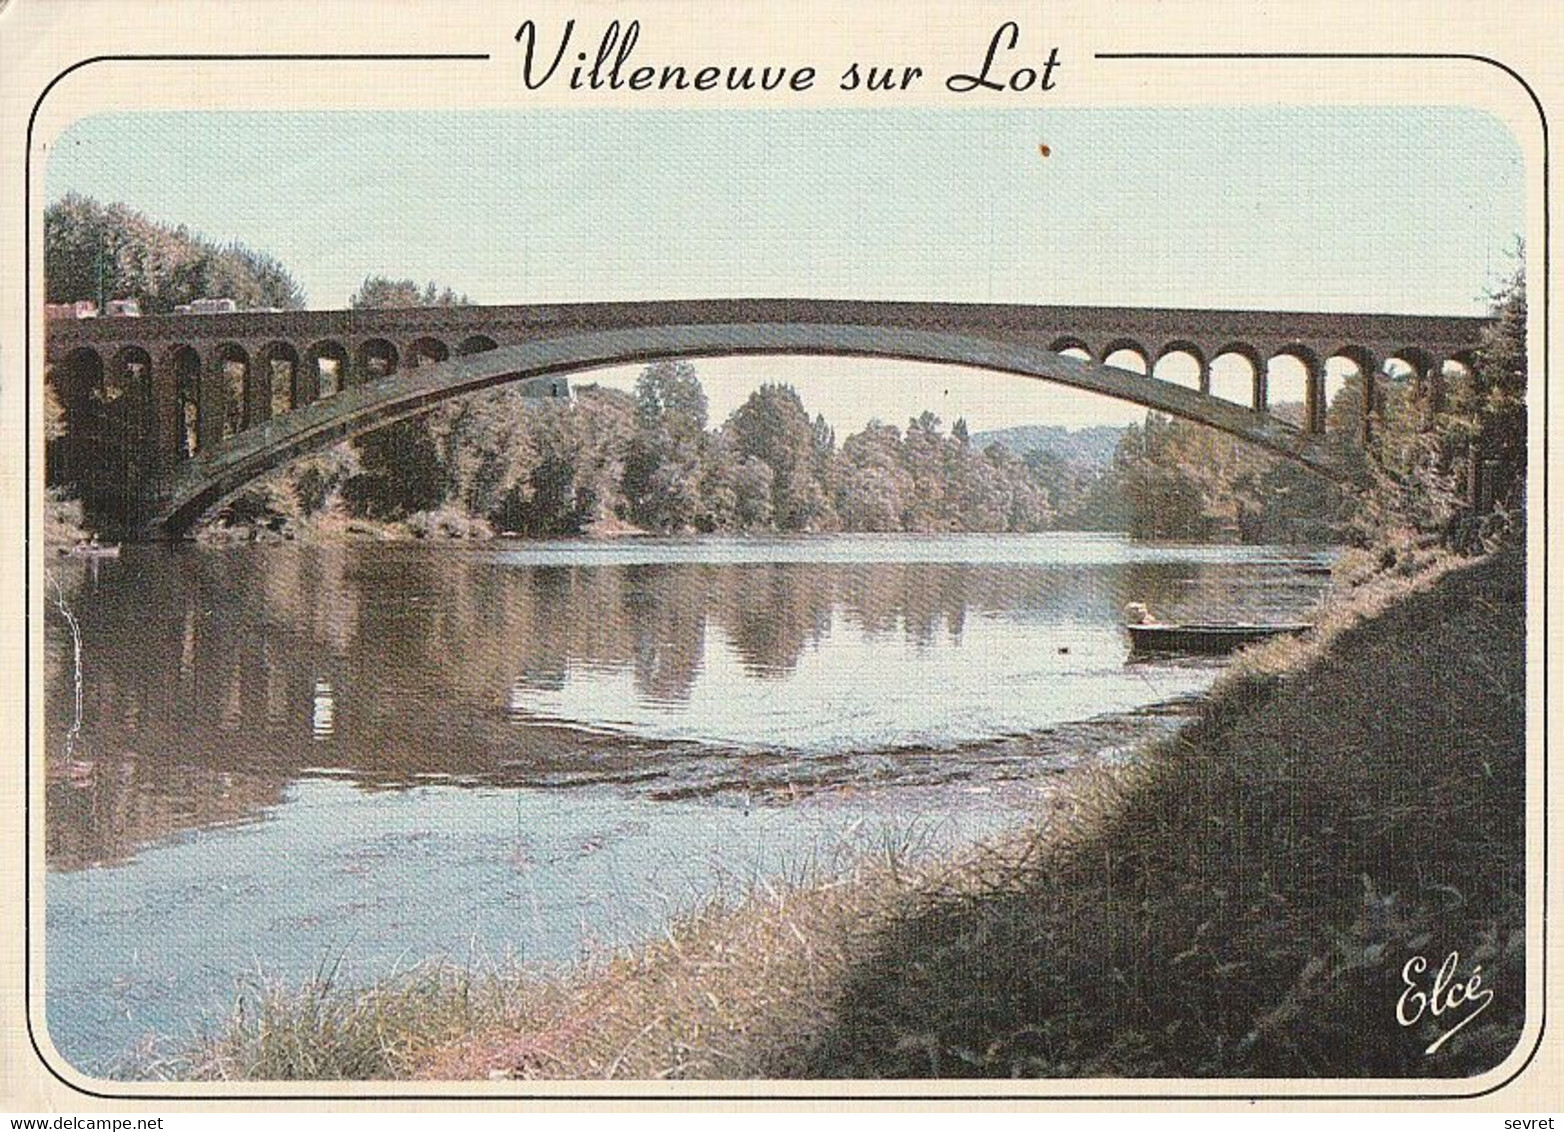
[[687, 1097]]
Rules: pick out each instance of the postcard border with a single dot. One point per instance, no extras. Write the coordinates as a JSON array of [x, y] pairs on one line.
[[681, 1097]]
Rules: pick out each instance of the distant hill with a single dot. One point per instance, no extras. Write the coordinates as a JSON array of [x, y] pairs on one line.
[[1084, 447]]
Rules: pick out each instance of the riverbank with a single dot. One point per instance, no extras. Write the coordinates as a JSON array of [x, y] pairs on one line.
[[1238, 901]]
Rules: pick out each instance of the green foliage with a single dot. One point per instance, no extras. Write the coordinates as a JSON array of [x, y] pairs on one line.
[[401, 470], [669, 398], [90, 248], [1449, 461], [379, 292], [1455, 464], [501, 462], [674, 480], [1243, 900], [773, 428], [1173, 479], [402, 473], [1499, 395]]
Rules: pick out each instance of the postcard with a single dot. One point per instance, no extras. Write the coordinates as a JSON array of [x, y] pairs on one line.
[[712, 553]]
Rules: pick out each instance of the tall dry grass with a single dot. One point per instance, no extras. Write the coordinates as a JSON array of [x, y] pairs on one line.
[[1248, 904]]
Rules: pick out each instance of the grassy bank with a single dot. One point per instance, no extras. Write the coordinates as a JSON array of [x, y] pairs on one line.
[[1247, 906], [1240, 900]]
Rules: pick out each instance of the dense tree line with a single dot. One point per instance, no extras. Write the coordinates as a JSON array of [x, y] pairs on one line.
[[1184, 481], [380, 291], [499, 462], [91, 249]]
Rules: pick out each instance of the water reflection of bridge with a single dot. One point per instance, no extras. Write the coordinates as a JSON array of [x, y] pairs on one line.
[[202, 714], [167, 416]]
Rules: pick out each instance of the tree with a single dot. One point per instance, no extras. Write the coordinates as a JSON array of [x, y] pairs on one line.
[[1164, 499], [1499, 380], [380, 292], [873, 486], [113, 250], [923, 459], [773, 428], [668, 396], [665, 469], [401, 470], [1459, 471]]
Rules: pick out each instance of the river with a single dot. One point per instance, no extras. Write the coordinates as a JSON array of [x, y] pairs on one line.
[[379, 753]]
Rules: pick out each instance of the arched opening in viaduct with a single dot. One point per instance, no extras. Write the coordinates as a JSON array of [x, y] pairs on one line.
[[1458, 374], [1181, 363], [1287, 389], [78, 381], [325, 370], [1126, 354], [377, 359], [184, 367], [427, 351], [1238, 375], [1295, 388], [1354, 391], [476, 344], [231, 367], [280, 367]]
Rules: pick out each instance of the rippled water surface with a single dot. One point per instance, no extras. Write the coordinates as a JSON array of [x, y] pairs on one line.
[[386, 752]]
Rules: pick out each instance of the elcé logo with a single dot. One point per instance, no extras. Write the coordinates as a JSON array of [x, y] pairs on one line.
[[1446, 995]]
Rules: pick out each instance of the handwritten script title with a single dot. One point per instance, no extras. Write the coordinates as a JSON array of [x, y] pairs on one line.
[[611, 62]]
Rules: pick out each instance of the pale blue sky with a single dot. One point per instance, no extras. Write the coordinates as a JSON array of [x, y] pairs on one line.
[[1378, 209]]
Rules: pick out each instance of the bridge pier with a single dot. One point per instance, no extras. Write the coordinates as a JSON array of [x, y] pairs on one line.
[[1370, 374], [1314, 397], [1262, 393], [258, 393], [210, 407], [1436, 389], [306, 389]]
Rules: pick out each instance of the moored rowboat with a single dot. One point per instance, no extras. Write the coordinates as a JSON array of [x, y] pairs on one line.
[[1205, 640]]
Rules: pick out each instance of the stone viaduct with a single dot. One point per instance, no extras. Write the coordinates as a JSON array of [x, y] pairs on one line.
[[166, 416]]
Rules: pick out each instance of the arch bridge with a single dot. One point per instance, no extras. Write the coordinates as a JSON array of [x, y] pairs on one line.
[[167, 416]]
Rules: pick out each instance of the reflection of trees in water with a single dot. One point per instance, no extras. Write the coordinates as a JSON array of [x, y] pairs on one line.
[[190, 700], [100, 811], [1184, 591], [770, 613], [663, 608], [202, 666], [915, 600]]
